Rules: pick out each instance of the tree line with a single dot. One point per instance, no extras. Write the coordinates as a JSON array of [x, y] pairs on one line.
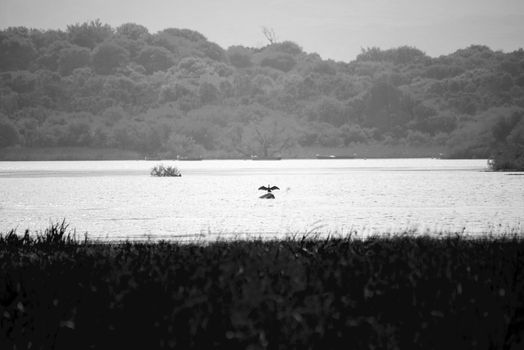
[[176, 93]]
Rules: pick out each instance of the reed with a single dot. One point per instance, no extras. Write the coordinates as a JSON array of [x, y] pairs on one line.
[[307, 292]]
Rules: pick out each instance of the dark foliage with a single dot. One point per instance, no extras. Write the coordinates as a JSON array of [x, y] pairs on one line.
[[8, 133], [511, 158], [383, 292]]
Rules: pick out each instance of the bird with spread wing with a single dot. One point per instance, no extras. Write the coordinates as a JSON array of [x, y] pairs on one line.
[[269, 188]]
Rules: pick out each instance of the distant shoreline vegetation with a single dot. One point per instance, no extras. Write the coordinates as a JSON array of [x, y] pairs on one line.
[[18, 153], [302, 292], [173, 92]]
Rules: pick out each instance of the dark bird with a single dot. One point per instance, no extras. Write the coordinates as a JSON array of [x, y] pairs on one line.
[[269, 188]]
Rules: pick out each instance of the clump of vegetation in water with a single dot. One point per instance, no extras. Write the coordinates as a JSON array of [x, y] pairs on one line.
[[161, 170], [386, 292], [511, 158]]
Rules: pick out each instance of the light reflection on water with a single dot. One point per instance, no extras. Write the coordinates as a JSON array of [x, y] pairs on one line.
[[118, 199]]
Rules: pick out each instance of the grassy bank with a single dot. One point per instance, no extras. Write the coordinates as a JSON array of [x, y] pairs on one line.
[[380, 293]]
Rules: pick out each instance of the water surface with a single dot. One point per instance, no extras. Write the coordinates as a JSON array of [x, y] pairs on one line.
[[119, 200]]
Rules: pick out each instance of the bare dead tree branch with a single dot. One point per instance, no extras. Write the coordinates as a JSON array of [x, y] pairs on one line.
[[270, 35]]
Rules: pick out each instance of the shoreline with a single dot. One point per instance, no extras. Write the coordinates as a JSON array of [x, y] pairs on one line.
[[359, 151], [62, 232]]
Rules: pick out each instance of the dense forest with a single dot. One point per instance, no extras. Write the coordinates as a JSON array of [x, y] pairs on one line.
[[176, 93]]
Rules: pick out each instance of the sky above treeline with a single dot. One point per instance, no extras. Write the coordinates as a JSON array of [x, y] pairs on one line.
[[335, 29]]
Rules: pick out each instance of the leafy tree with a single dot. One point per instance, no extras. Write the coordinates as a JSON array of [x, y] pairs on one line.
[[281, 61], [400, 55], [28, 130], [434, 124], [370, 54], [121, 89], [133, 47], [510, 157], [8, 133], [265, 137], [417, 138], [261, 84], [133, 31], [443, 71], [181, 42], [9, 102], [154, 58], [353, 133], [50, 55], [324, 134], [504, 126], [176, 91], [325, 67], [89, 34], [107, 57], [193, 67], [36, 114], [505, 82], [44, 39], [137, 136], [22, 82], [208, 93], [328, 135], [182, 146], [78, 133], [17, 51], [188, 34], [384, 108], [509, 138], [472, 56], [113, 114], [406, 54], [329, 110], [288, 47], [201, 131], [52, 88], [240, 56], [517, 133], [422, 111], [72, 58], [213, 51]]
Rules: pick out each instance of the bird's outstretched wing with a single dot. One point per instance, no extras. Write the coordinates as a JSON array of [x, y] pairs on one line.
[[264, 188], [274, 188]]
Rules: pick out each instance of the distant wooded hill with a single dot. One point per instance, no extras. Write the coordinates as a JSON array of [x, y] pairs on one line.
[[176, 93]]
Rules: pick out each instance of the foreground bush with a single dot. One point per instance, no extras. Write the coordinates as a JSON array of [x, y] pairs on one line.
[[392, 292]]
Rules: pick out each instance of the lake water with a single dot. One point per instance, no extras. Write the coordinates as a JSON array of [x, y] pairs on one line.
[[120, 200]]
